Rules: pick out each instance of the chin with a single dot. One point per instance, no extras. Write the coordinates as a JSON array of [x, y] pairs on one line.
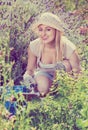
[[46, 42]]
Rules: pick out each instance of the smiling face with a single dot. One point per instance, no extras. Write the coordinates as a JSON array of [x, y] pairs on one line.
[[47, 34]]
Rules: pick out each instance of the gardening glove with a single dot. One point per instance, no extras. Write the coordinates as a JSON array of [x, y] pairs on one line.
[[29, 81], [60, 66]]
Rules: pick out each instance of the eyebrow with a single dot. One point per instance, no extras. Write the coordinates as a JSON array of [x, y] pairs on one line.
[[45, 27], [48, 27]]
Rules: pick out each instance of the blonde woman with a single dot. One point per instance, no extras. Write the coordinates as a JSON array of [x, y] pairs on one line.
[[50, 52]]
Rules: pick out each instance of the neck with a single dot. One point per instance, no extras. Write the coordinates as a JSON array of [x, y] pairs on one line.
[[50, 45]]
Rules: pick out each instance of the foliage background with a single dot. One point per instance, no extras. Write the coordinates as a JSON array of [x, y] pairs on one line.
[[68, 108]]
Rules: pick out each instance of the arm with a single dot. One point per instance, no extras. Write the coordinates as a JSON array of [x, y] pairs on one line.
[[71, 65], [75, 62], [28, 76], [72, 62], [32, 60]]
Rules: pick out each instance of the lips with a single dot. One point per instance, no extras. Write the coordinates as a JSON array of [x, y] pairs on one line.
[[44, 38]]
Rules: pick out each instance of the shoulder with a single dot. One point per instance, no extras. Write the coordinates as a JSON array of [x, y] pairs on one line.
[[35, 46], [67, 42], [35, 43], [69, 47]]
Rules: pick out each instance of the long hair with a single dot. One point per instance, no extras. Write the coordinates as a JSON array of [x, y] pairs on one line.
[[58, 46]]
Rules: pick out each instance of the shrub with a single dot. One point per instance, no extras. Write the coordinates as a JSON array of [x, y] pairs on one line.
[[66, 106]]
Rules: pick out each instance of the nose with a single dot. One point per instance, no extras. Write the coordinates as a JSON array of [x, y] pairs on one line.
[[43, 33]]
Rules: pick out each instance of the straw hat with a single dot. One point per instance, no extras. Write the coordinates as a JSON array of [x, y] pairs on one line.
[[48, 19]]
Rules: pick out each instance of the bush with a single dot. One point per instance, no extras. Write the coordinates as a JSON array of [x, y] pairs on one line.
[[64, 110], [66, 106], [14, 27]]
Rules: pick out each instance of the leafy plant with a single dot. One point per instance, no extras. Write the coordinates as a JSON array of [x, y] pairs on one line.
[[66, 106]]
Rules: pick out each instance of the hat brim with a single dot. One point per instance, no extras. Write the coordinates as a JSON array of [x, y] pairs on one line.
[[35, 26]]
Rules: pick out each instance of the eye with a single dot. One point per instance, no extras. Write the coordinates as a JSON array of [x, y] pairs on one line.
[[40, 29], [48, 29]]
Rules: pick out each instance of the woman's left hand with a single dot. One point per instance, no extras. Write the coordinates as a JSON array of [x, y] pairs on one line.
[[67, 65]]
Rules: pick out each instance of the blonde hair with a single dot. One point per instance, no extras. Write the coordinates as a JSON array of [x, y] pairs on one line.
[[58, 46], [53, 21]]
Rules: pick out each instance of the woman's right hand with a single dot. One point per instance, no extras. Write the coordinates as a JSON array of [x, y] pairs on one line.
[[28, 79]]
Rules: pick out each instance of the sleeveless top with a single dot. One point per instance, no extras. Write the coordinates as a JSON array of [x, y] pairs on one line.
[[35, 46]]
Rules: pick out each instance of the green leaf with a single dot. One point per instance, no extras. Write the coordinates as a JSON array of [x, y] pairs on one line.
[[82, 123]]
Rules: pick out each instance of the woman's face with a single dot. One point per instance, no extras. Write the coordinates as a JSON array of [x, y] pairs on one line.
[[46, 33]]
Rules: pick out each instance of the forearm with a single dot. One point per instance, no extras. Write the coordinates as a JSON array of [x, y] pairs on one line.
[[30, 71], [75, 63], [72, 69], [31, 68]]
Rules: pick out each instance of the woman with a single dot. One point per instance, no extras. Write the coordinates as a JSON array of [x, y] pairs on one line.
[[50, 52]]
